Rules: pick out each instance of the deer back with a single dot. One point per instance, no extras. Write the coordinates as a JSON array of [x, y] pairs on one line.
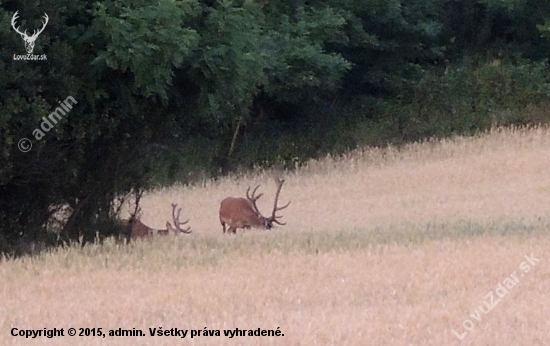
[[140, 230]]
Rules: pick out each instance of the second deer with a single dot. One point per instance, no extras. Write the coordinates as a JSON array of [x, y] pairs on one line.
[[238, 212], [138, 229]]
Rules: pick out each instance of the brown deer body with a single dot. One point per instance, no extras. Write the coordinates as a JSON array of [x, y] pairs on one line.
[[238, 212], [137, 229], [140, 230]]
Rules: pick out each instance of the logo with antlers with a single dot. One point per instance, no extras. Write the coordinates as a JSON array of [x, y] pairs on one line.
[[29, 40]]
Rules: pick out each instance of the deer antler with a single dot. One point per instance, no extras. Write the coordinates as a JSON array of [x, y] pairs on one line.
[[176, 219], [274, 217], [34, 34], [44, 23], [253, 198], [13, 20]]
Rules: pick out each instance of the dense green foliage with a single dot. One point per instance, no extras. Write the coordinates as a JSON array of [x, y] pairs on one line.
[[172, 89]]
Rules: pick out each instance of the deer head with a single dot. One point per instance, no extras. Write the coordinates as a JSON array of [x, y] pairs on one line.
[[138, 229], [244, 213], [29, 40]]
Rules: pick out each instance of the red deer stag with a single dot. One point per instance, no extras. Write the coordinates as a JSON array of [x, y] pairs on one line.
[[138, 229], [243, 212]]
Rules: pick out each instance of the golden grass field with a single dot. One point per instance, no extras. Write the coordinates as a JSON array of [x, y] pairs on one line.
[[381, 247]]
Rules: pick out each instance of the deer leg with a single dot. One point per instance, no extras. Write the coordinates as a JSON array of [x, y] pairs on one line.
[[223, 225]]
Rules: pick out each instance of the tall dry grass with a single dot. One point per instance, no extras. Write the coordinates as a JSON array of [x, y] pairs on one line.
[[382, 247]]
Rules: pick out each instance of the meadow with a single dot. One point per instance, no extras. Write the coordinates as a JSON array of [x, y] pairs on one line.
[[444, 242]]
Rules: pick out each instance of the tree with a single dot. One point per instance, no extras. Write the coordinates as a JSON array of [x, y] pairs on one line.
[[145, 77]]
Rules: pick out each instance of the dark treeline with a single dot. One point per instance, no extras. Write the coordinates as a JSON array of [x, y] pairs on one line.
[[175, 90]]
